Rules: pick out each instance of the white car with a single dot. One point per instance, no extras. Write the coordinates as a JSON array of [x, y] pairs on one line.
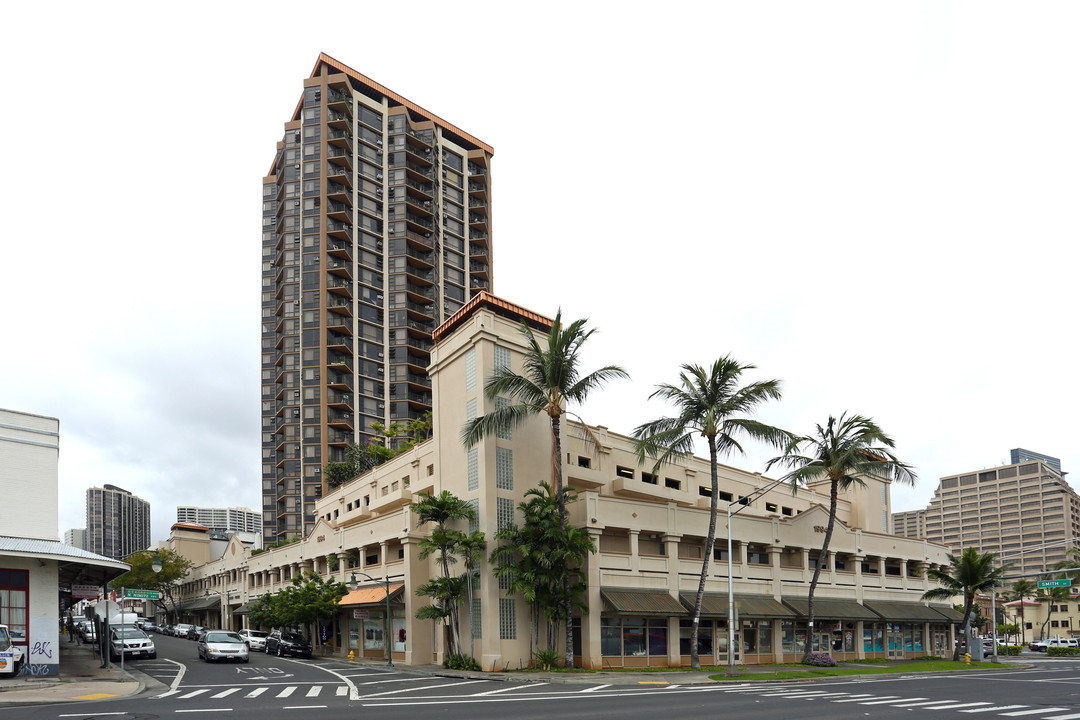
[[10, 654], [181, 630], [255, 639]]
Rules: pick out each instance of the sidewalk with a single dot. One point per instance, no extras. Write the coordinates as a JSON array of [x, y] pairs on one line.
[[81, 678]]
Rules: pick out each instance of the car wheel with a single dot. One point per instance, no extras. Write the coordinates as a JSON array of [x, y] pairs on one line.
[[152, 656]]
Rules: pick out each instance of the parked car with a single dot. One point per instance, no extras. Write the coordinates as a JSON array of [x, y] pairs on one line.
[[255, 639], [148, 627], [287, 643], [222, 645], [180, 630], [86, 631], [195, 631], [11, 656], [1044, 645], [132, 642]]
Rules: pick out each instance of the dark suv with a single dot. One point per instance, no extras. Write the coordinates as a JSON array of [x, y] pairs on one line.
[[284, 643]]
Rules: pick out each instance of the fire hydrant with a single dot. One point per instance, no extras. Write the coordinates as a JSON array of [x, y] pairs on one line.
[[352, 656], [967, 658]]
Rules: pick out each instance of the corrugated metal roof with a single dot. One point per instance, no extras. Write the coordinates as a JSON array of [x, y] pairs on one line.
[[904, 612], [641, 602], [203, 603], [55, 549], [370, 595], [831, 608], [714, 605], [950, 614]]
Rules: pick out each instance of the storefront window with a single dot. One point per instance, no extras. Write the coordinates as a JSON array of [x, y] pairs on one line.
[[750, 637], [705, 635], [764, 636], [787, 636], [633, 636], [658, 636], [918, 638], [374, 629], [879, 637], [610, 637]]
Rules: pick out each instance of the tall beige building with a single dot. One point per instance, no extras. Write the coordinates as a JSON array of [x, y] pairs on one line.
[[376, 228], [1026, 507]]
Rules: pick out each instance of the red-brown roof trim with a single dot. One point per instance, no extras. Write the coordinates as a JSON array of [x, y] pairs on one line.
[[500, 307]]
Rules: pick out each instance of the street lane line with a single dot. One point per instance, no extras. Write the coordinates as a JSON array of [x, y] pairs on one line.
[[961, 705], [433, 687], [287, 692], [225, 693], [1073, 716], [193, 694], [999, 708], [793, 693], [505, 689], [859, 699], [594, 689], [886, 702], [256, 692], [206, 710], [1033, 712], [301, 707], [920, 704], [314, 691]]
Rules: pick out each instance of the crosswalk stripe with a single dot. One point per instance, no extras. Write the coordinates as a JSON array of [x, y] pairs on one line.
[[193, 694], [1032, 712], [256, 692], [594, 689], [960, 705], [314, 691], [167, 693], [794, 693], [887, 702], [342, 690], [862, 699], [225, 693], [924, 702], [513, 686], [999, 708], [287, 691], [1073, 716]]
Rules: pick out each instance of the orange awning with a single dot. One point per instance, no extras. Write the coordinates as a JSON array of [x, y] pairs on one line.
[[370, 595]]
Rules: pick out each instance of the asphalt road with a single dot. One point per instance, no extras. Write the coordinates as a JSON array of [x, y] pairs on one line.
[[271, 687]]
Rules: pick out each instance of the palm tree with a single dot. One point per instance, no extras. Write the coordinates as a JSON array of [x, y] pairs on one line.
[[842, 451], [471, 547], [1020, 589], [551, 379], [973, 572], [709, 403], [444, 543]]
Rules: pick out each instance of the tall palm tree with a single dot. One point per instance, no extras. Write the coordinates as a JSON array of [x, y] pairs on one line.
[[471, 548], [551, 378], [842, 451], [973, 572], [709, 403], [1020, 589], [444, 543]]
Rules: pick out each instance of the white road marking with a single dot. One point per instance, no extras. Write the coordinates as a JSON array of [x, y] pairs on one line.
[[166, 694], [508, 689], [861, 698], [225, 693], [342, 690], [999, 708], [206, 710], [193, 694], [314, 691], [957, 706], [301, 707], [1032, 712], [433, 687], [1073, 716], [920, 704], [287, 692], [256, 692], [594, 689], [887, 702], [354, 694]]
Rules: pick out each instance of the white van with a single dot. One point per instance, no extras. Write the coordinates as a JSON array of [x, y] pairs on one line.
[[10, 654]]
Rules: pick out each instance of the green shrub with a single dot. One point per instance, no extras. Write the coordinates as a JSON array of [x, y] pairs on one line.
[[460, 662], [820, 660], [1009, 650], [1062, 651], [546, 659]]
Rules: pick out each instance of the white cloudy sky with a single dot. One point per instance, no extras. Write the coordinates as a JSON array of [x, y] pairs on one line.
[[875, 202]]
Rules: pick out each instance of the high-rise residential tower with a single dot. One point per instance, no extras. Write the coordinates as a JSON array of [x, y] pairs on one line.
[[376, 228], [226, 520], [117, 522]]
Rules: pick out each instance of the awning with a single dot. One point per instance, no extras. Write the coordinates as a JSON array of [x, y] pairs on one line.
[[641, 602], [75, 566], [372, 595], [244, 609], [949, 614], [904, 612], [203, 603], [830, 608], [751, 607]]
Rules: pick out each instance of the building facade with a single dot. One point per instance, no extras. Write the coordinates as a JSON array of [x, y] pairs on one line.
[[75, 537], [648, 527], [117, 522], [34, 564], [222, 520], [1024, 511], [376, 229]]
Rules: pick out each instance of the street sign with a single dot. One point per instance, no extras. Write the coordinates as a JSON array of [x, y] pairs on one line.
[[1054, 583], [142, 594]]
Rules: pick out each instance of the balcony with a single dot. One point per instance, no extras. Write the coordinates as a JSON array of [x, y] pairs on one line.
[[393, 494], [478, 221], [339, 419], [339, 174], [338, 322], [419, 172], [479, 269], [340, 138], [477, 235], [339, 304], [339, 230], [422, 344], [339, 267], [477, 251], [339, 381], [422, 225], [339, 248], [339, 211], [338, 341], [476, 170], [634, 487], [477, 188], [340, 400], [425, 190], [338, 192], [342, 362], [339, 101], [338, 437], [340, 156], [423, 260]]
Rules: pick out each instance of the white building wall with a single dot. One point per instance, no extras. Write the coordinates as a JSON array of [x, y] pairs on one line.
[[29, 448]]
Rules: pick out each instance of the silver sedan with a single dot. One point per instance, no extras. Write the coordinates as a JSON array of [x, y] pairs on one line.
[[222, 645]]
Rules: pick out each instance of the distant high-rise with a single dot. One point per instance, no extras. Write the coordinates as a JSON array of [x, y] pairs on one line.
[[1019, 455], [225, 520], [117, 522], [376, 227], [76, 537]]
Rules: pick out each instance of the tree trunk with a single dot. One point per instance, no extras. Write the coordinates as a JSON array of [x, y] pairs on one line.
[[472, 618], [710, 539], [568, 606], [966, 628], [834, 491]]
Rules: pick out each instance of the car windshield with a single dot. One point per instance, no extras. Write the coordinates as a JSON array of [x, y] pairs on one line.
[[223, 637], [256, 634], [5, 641], [129, 634], [292, 637]]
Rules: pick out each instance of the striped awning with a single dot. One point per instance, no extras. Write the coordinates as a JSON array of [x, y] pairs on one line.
[[751, 607], [831, 608], [904, 612], [640, 602]]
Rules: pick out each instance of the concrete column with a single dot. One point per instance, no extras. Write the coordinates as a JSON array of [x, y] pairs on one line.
[[419, 636], [635, 559], [671, 548], [590, 624], [832, 567]]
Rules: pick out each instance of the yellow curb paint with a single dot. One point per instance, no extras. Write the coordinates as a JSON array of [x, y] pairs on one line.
[[95, 696], [652, 682]]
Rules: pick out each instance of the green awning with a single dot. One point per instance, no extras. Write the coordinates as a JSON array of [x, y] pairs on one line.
[[203, 603], [948, 614], [244, 609], [830, 608], [640, 602], [904, 612], [751, 607]]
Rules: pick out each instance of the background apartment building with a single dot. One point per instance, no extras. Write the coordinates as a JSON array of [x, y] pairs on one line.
[[1015, 507], [117, 522], [376, 228], [224, 520], [75, 537]]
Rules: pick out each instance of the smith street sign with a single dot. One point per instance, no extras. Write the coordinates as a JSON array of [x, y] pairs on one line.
[[1055, 583], [142, 594]]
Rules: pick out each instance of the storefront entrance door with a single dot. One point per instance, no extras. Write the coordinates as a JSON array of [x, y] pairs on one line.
[[895, 640]]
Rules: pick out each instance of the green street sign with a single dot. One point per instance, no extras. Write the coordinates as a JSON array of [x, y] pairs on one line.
[[142, 594], [1055, 583]]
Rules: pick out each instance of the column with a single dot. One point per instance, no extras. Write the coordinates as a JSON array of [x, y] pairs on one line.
[[635, 561], [591, 656]]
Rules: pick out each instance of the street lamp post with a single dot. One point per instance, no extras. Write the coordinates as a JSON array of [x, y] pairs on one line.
[[386, 638]]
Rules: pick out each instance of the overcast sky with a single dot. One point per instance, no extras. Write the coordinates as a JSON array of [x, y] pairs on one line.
[[874, 202]]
